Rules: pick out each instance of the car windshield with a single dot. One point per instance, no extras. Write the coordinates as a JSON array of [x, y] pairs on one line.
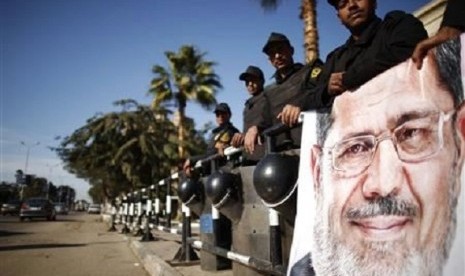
[[36, 201]]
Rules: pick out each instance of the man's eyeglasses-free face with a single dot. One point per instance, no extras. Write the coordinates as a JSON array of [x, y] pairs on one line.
[[415, 140]]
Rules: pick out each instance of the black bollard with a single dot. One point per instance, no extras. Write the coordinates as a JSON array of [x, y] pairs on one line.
[[148, 212], [113, 218], [168, 203], [157, 204], [125, 229], [275, 239], [215, 230], [138, 225], [185, 253], [131, 212]]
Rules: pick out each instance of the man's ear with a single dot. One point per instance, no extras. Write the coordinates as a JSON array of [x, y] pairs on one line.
[[315, 166], [460, 127]]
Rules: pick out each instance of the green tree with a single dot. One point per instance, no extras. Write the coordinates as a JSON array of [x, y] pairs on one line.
[[188, 77], [121, 151], [308, 16], [37, 188]]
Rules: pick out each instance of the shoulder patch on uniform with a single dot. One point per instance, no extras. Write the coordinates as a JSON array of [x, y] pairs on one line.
[[225, 138], [315, 72]]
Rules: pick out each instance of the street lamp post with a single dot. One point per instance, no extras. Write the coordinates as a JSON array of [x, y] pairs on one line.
[[28, 147], [50, 167]]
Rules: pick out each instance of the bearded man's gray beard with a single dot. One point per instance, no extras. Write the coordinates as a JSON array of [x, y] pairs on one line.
[[334, 256]]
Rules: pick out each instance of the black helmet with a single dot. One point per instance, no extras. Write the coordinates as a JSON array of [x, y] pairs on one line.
[[190, 190], [219, 185], [275, 176]]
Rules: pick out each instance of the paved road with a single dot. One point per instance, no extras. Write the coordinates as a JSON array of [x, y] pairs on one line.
[[76, 244]]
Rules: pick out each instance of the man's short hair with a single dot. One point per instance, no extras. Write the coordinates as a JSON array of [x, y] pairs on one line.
[[335, 3], [447, 58]]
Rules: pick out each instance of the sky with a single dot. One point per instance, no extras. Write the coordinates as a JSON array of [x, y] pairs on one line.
[[63, 61]]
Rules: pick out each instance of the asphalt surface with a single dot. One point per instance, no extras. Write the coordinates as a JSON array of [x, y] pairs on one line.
[[75, 244]]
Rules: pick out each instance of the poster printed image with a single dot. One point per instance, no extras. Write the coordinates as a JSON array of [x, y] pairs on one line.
[[381, 181]]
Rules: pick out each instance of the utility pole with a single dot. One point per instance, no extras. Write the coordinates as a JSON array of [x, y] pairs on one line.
[[50, 167], [28, 149]]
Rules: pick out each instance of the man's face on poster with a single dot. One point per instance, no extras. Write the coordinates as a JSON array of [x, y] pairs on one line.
[[388, 177]]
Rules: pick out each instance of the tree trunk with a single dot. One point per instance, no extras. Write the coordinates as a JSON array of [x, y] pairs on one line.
[[181, 131], [308, 16]]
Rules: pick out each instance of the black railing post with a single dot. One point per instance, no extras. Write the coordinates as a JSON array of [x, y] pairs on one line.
[[157, 204], [125, 229], [113, 217], [185, 253], [168, 202]]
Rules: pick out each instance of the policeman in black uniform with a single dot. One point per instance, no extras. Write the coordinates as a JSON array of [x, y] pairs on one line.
[[221, 136], [374, 46], [289, 77], [254, 106]]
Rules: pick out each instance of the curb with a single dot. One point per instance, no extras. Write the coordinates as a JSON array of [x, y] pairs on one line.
[[153, 264]]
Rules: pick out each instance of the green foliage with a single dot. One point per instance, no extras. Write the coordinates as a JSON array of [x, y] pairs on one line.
[[121, 151], [8, 191], [38, 188], [188, 77]]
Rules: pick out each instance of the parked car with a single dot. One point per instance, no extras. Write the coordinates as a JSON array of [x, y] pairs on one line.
[[94, 209], [37, 207], [11, 207], [61, 208]]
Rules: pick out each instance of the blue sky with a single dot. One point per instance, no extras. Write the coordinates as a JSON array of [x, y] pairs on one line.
[[62, 61]]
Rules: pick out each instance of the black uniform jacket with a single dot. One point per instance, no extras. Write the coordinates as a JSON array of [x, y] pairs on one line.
[[253, 109], [454, 15], [288, 90], [222, 133], [384, 44]]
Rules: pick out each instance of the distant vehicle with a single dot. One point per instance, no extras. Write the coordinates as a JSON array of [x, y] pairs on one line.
[[81, 206], [61, 208], [94, 209], [11, 207], [37, 207]]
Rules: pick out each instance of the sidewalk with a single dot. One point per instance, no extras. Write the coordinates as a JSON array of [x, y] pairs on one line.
[[156, 256]]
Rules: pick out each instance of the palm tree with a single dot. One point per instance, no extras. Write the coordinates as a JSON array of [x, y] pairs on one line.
[[308, 16], [188, 78]]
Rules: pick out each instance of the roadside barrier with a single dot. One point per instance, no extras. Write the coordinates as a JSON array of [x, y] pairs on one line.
[[246, 213]]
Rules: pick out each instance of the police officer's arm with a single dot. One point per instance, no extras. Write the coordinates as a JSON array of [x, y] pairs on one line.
[[452, 26], [314, 94], [261, 122], [405, 32], [290, 113]]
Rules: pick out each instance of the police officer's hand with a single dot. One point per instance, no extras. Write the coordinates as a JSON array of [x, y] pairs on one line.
[[220, 146], [187, 168], [250, 138], [289, 115], [237, 140], [444, 34], [335, 86]]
